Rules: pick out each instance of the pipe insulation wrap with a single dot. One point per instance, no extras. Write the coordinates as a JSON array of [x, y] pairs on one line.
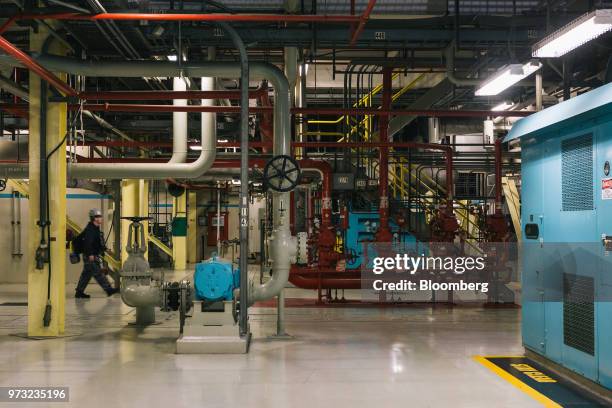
[[140, 295], [179, 125], [284, 245], [257, 70], [283, 250]]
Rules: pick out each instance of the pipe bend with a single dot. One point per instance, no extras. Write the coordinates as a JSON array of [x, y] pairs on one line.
[[137, 295]]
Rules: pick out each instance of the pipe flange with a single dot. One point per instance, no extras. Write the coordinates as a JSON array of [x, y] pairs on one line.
[[302, 248]]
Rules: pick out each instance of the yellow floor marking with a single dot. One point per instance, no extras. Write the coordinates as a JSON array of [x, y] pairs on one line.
[[541, 398]]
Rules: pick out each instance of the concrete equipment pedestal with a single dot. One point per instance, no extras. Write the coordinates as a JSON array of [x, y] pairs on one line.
[[211, 329]]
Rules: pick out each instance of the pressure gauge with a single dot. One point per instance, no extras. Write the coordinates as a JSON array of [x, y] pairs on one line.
[[607, 168]]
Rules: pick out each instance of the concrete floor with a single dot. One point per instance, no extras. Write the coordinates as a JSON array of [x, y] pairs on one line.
[[340, 357]]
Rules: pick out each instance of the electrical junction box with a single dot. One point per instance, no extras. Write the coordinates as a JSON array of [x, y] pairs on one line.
[[344, 181], [361, 183]]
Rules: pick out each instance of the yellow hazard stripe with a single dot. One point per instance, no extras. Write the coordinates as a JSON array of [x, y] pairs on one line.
[[541, 398]]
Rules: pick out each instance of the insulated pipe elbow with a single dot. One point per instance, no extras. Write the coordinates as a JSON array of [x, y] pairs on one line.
[[137, 295], [282, 254], [449, 55]]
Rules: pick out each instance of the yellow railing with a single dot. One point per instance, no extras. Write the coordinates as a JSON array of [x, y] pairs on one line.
[[361, 102], [400, 184], [514, 204], [157, 242]]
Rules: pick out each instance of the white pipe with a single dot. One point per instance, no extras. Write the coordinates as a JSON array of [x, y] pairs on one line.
[[179, 125], [139, 69], [283, 245], [135, 294]]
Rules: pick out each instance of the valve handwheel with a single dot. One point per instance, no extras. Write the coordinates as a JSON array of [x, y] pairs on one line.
[[282, 173], [2, 184]]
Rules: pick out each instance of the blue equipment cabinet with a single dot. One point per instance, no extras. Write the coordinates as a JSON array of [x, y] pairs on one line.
[[215, 280], [362, 228], [566, 214]]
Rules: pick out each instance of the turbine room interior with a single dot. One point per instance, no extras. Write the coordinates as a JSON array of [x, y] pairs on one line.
[[292, 203]]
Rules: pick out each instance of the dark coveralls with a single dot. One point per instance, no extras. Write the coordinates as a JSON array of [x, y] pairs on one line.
[[93, 244]]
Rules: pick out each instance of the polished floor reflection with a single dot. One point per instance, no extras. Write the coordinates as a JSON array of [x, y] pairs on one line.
[[339, 357]]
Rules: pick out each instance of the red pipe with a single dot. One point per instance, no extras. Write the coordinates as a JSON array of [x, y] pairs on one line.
[[324, 283], [362, 21], [106, 107], [34, 66], [124, 143], [167, 95], [448, 151], [136, 107], [326, 187], [7, 24], [272, 18], [384, 233], [17, 109], [404, 112], [266, 126]]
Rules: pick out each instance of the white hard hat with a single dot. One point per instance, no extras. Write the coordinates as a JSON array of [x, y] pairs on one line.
[[94, 212]]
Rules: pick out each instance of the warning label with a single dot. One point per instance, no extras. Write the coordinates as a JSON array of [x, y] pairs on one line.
[[606, 189]]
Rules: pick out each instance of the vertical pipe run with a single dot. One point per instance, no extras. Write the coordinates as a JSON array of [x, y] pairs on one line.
[[179, 125], [538, 86], [498, 175], [384, 234], [218, 219], [244, 176]]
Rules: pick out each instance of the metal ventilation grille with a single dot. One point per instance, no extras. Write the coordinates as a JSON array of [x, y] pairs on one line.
[[579, 313], [469, 185], [577, 173]]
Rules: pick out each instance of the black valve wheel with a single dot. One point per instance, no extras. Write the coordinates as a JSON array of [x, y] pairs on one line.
[[2, 184], [282, 173]]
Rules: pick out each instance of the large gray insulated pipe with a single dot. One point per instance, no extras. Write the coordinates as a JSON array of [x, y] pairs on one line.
[[282, 240], [179, 125], [139, 69]]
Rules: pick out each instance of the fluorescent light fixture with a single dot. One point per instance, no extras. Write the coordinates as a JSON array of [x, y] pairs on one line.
[[574, 34], [505, 105], [172, 58], [506, 77]]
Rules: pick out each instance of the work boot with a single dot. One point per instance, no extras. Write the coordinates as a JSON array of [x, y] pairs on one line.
[[81, 295], [111, 292]]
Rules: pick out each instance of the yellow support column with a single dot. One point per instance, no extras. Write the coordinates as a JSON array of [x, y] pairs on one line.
[[143, 210], [130, 207], [179, 232], [38, 279], [192, 227]]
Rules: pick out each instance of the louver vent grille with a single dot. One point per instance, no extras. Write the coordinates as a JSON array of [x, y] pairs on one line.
[[577, 173], [579, 313]]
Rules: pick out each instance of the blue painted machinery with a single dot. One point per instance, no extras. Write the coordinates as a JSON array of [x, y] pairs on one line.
[[567, 233], [362, 228], [215, 280]]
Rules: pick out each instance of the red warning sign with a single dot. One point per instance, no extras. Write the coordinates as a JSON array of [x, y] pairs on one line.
[[606, 189]]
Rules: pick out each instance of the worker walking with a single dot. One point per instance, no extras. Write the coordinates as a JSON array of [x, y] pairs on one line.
[[93, 249]]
